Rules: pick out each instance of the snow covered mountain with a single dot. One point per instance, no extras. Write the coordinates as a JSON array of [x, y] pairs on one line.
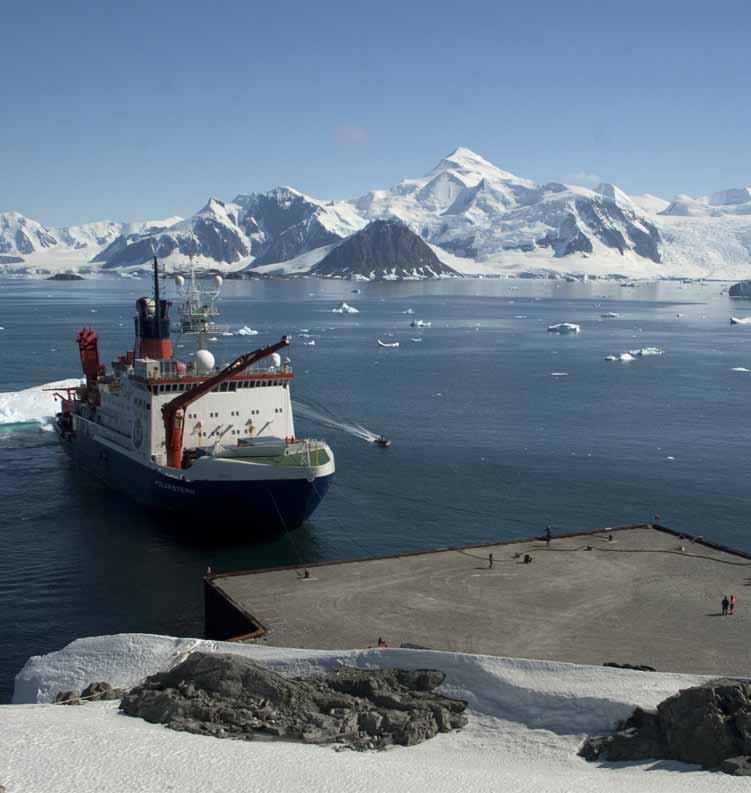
[[21, 235], [471, 208], [475, 216]]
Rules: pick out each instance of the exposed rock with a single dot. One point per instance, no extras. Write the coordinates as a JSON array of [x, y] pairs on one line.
[[738, 766], [635, 667], [741, 289], [383, 249], [65, 277], [72, 697], [229, 696], [102, 690], [708, 725]]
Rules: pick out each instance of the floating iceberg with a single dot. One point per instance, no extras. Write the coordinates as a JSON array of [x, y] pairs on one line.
[[408, 311], [388, 343], [564, 327], [35, 404], [741, 369], [740, 320], [415, 339], [311, 343], [344, 308], [246, 331], [559, 374], [610, 315], [419, 323]]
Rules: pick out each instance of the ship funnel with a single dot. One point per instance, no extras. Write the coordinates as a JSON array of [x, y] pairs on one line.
[[152, 324]]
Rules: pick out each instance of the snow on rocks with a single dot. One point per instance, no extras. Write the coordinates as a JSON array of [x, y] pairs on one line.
[[527, 719], [564, 328], [345, 308], [36, 404]]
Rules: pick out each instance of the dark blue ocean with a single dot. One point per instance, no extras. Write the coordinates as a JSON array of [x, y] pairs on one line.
[[487, 443]]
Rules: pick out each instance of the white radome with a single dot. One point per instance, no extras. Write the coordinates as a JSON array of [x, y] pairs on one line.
[[218, 281], [179, 280], [204, 361], [276, 360]]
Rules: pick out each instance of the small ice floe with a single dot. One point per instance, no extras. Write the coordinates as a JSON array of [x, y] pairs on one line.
[[2, 328], [246, 331], [311, 343], [740, 320], [559, 374], [227, 333], [213, 338], [670, 458], [564, 327], [93, 311], [625, 357], [388, 343], [304, 330], [645, 352], [409, 311], [344, 308], [419, 323], [678, 316], [610, 315], [741, 369], [415, 340], [520, 316]]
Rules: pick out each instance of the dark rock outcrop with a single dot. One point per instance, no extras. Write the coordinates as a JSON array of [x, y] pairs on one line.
[[708, 725], [634, 667], [65, 277], [101, 691], [384, 248], [741, 289], [72, 697], [229, 696]]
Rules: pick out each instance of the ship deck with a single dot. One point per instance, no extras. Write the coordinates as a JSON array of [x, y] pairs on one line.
[[637, 598]]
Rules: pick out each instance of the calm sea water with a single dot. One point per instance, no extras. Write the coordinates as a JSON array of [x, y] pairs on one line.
[[487, 443]]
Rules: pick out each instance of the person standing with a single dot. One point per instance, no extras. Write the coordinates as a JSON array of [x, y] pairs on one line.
[[732, 604], [490, 561], [725, 604]]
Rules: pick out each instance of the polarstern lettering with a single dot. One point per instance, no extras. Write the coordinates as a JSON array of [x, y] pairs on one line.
[[175, 488]]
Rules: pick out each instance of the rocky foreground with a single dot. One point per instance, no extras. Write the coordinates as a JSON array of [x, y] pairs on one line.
[[707, 725], [229, 696]]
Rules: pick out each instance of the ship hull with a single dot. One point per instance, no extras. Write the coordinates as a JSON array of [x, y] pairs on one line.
[[251, 509]]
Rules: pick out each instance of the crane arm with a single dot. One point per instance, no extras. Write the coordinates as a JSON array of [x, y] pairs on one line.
[[173, 411]]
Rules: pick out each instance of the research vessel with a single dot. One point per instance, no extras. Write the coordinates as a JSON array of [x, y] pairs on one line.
[[189, 437]]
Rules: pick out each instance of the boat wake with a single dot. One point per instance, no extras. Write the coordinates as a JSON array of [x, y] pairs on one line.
[[322, 415]]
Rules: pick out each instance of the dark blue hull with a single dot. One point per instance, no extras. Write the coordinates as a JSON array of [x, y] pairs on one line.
[[249, 509]]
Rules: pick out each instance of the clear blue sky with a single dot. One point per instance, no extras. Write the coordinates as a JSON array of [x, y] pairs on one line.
[[136, 109]]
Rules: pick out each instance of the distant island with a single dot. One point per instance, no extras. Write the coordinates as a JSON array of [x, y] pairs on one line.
[[66, 277]]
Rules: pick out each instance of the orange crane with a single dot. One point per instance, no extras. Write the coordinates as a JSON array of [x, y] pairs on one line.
[[173, 413]]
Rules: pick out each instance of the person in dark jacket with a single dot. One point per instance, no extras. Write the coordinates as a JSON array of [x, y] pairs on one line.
[[725, 604]]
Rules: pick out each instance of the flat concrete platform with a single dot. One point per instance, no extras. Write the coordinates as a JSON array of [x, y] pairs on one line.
[[636, 599]]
